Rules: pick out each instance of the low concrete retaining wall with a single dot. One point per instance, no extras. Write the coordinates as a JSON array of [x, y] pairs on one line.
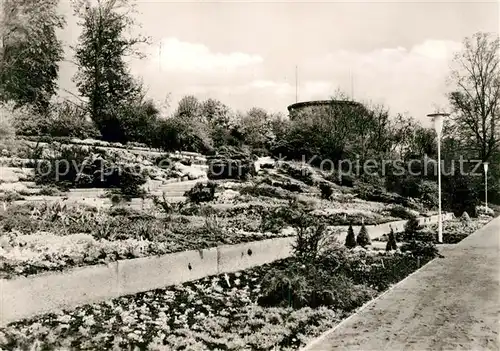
[[233, 258], [148, 273], [25, 297]]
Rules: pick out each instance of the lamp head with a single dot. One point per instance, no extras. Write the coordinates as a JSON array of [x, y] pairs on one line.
[[438, 118], [485, 164]]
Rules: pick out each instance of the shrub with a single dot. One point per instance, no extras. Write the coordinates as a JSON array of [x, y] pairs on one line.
[[62, 168], [230, 168], [11, 196], [485, 211], [80, 167], [380, 271], [63, 119], [298, 286], [363, 238], [49, 191], [391, 243], [420, 249], [267, 191], [179, 133], [414, 187], [163, 204], [401, 212], [347, 180], [309, 242], [125, 178], [7, 118], [261, 152], [374, 180], [116, 199], [465, 217], [460, 194], [130, 183], [278, 218], [428, 193], [201, 193], [135, 120], [213, 228], [288, 185], [67, 119], [350, 240], [274, 220], [326, 191], [300, 172], [411, 229]]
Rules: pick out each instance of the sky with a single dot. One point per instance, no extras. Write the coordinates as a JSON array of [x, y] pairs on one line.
[[246, 54]]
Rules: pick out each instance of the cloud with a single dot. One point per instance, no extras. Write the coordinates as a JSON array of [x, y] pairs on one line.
[[176, 55], [436, 49], [404, 79]]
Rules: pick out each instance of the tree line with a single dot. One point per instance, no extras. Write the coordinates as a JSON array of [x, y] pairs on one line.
[[113, 105]]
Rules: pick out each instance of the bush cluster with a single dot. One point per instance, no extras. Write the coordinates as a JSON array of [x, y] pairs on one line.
[[298, 286], [78, 167], [299, 172], [201, 192], [326, 191]]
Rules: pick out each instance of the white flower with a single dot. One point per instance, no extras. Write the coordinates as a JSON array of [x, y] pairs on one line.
[[89, 320]]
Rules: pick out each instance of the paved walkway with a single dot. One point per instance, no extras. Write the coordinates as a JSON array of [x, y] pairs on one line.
[[453, 303]]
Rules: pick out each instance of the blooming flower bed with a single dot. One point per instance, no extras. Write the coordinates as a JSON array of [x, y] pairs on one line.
[[39, 238], [212, 313], [454, 231], [41, 252], [220, 312]]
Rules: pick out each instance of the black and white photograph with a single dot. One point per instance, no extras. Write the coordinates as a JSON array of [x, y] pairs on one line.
[[249, 175]]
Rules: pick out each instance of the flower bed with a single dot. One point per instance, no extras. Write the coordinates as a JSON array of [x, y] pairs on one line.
[[454, 231], [219, 312], [38, 238], [41, 252]]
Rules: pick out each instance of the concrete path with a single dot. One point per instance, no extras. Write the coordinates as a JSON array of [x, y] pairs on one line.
[[453, 303]]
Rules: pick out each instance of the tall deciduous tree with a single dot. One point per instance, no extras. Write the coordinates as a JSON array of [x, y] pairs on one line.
[[476, 98], [189, 108], [103, 76], [29, 51], [217, 114], [255, 126]]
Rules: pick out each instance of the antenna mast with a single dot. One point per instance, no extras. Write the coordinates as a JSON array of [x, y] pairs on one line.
[[352, 84], [296, 84], [159, 57]]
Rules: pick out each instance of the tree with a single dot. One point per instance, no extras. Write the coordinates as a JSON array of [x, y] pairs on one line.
[[424, 142], [30, 52], [220, 120], [476, 98], [391, 243], [403, 130], [103, 77], [138, 121], [350, 240], [412, 227], [255, 127], [381, 139], [363, 238], [189, 107], [176, 133]]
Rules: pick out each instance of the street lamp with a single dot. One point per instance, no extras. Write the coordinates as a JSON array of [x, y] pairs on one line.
[[485, 164], [438, 118]]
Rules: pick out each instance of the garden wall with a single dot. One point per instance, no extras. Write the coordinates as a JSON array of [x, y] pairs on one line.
[[25, 297]]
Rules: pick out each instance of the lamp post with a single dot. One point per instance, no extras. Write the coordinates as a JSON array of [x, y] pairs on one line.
[[437, 118], [485, 164]]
